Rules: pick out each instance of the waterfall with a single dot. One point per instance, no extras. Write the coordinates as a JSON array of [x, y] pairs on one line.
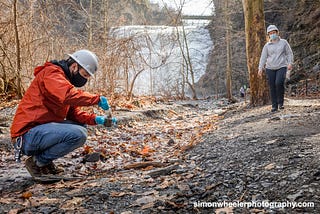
[[154, 53]]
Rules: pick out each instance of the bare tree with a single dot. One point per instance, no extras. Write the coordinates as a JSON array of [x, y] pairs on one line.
[[185, 52], [186, 71]]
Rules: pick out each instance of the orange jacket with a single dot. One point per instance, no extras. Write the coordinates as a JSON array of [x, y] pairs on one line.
[[51, 98]]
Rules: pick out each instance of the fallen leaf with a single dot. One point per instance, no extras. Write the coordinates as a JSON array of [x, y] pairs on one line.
[[270, 166], [145, 151], [147, 168], [26, 195], [257, 211], [151, 192], [227, 210], [176, 205], [14, 211], [87, 149], [117, 194], [183, 187], [7, 200], [147, 206], [70, 204], [145, 200], [154, 137], [271, 141], [45, 200], [166, 183]]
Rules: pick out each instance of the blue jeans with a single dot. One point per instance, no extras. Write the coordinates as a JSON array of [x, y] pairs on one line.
[[276, 79], [51, 141]]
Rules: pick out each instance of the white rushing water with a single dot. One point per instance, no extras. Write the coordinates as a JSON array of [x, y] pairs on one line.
[[158, 56]]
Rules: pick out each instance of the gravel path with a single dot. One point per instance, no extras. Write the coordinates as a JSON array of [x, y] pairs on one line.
[[255, 157]]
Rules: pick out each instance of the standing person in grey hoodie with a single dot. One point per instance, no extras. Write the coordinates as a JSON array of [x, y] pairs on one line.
[[276, 58]]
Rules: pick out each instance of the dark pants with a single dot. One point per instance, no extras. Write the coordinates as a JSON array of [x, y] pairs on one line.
[[276, 80]]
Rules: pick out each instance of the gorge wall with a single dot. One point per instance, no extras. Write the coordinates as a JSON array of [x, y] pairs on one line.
[[298, 22]]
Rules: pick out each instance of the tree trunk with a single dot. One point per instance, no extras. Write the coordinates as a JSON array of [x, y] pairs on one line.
[[255, 39], [187, 61], [228, 44], [129, 96], [106, 19], [90, 25], [189, 65], [18, 57]]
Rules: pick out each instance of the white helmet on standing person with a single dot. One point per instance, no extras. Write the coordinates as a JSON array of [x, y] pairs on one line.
[[272, 28], [87, 60]]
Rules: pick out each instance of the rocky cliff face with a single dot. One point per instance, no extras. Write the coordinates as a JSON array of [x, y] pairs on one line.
[[304, 36], [75, 16], [299, 23], [138, 12]]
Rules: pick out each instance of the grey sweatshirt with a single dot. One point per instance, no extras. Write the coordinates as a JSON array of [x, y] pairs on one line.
[[276, 55]]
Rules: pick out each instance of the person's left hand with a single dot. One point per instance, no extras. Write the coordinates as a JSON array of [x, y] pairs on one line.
[[103, 103], [100, 120], [289, 67]]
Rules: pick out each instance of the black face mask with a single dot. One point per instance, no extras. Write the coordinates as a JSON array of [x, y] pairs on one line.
[[77, 80]]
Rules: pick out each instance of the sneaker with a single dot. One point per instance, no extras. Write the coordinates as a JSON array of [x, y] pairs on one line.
[[52, 169], [33, 169], [274, 109], [281, 107]]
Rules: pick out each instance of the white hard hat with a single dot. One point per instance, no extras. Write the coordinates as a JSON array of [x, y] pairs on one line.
[[87, 60], [272, 28]]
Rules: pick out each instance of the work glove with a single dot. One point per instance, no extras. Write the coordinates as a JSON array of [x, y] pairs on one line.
[[100, 120], [103, 103], [114, 121]]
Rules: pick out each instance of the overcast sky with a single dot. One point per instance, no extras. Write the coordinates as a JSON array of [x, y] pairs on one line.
[[191, 7]]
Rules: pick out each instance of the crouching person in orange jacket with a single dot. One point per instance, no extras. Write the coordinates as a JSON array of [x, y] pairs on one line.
[[48, 123]]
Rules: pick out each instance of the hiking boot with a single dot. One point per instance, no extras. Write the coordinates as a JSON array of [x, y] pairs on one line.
[[274, 109], [36, 171], [33, 169], [51, 169]]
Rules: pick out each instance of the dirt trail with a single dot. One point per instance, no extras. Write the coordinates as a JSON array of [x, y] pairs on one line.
[[248, 155]]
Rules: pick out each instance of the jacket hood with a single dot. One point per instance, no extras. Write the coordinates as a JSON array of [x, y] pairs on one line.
[[40, 68], [62, 64]]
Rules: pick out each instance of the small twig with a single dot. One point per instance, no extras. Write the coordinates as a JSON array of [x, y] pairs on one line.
[[144, 165], [241, 198]]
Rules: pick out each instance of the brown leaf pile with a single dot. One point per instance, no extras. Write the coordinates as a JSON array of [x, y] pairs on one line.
[[154, 140]]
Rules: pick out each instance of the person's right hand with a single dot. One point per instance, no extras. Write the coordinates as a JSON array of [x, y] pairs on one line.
[[114, 121], [103, 103]]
